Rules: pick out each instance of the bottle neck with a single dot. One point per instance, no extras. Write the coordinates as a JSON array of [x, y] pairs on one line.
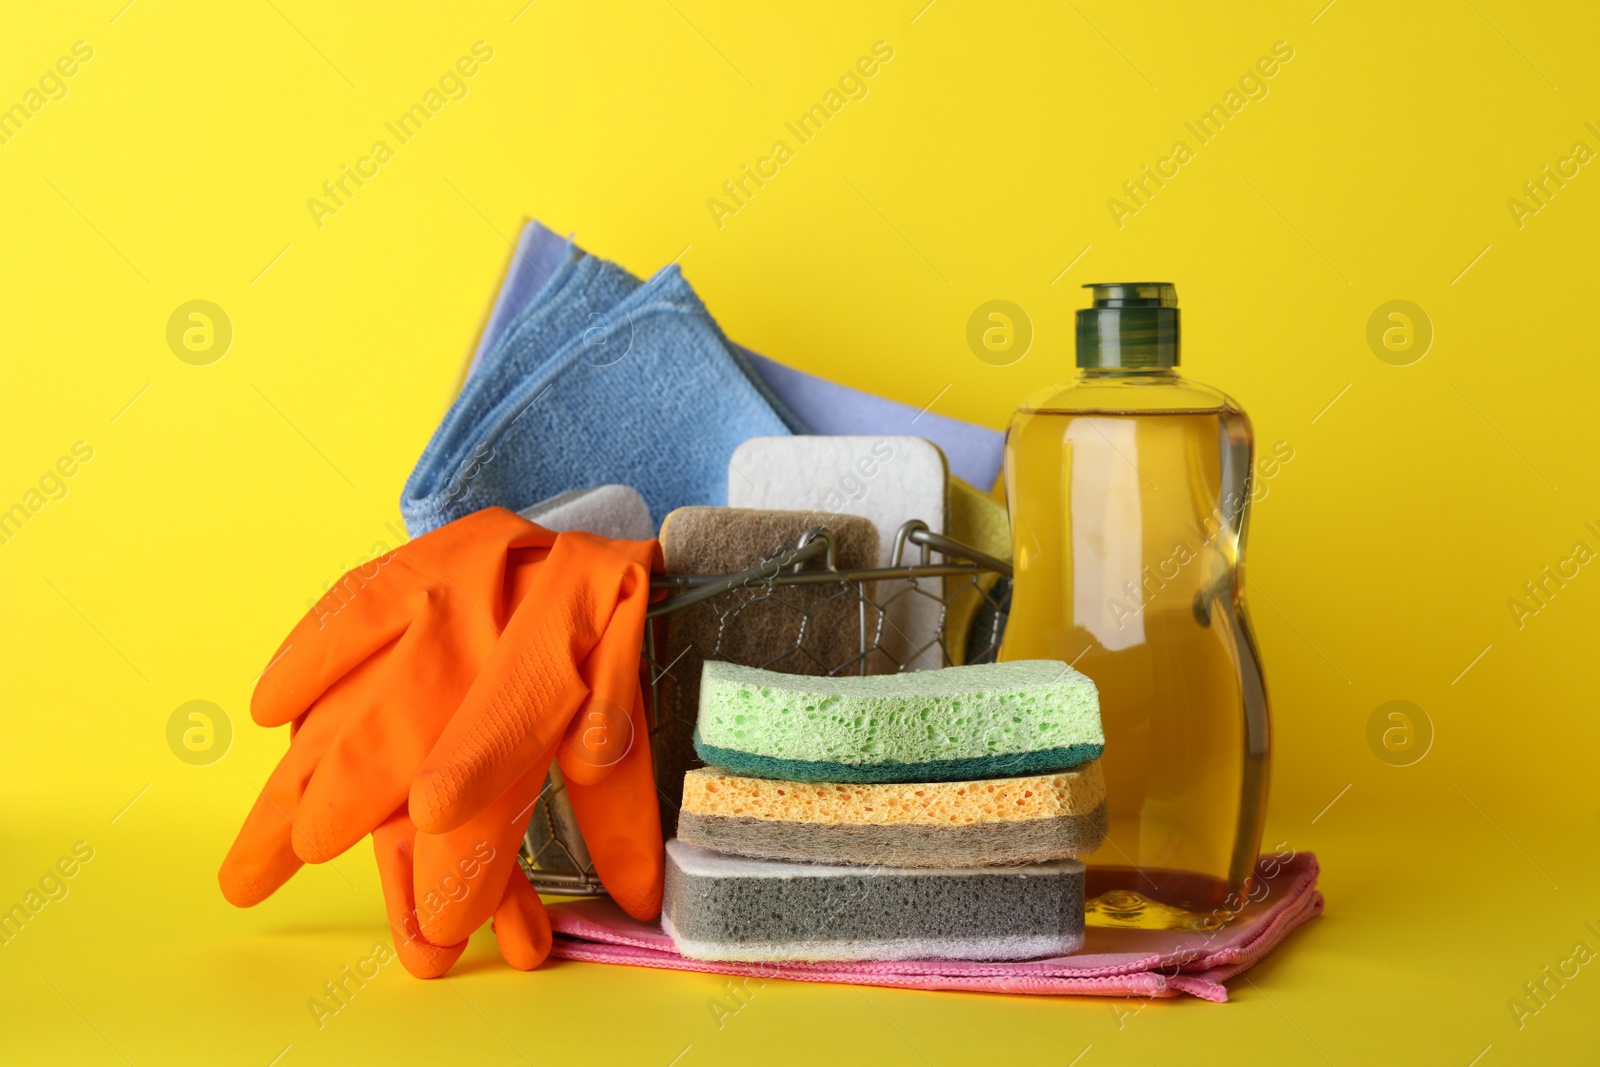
[[1143, 374]]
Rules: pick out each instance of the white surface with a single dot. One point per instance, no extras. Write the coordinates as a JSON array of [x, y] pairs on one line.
[[1031, 947]]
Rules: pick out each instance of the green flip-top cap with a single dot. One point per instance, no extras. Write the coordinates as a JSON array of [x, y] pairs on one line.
[[1132, 324]]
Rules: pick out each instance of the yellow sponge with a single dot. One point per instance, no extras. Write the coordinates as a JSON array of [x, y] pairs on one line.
[[978, 521], [934, 824]]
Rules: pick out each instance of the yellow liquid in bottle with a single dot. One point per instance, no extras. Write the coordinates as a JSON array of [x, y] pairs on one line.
[[1127, 526]]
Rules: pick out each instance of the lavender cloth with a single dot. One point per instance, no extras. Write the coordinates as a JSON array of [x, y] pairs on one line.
[[1114, 962], [539, 254], [823, 407], [974, 452]]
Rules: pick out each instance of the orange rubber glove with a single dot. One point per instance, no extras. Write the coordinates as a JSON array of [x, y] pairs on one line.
[[533, 702], [369, 678], [529, 698], [371, 693]]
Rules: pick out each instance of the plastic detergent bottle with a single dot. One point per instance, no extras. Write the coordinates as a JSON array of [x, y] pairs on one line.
[[1129, 492]]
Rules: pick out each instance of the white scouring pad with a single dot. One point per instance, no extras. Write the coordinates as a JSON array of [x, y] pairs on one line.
[[614, 511], [887, 479]]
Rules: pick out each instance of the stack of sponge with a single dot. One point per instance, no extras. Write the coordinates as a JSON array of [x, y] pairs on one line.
[[925, 815]]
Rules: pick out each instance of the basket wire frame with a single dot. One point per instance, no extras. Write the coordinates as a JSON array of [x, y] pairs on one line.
[[798, 580]]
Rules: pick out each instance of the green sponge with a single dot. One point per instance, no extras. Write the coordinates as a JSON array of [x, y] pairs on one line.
[[992, 720]]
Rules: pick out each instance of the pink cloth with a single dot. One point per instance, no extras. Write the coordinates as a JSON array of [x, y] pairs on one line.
[[1114, 962]]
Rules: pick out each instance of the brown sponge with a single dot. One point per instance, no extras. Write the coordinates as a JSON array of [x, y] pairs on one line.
[[796, 629], [934, 824]]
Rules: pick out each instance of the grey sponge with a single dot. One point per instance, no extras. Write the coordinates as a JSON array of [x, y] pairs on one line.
[[719, 907]]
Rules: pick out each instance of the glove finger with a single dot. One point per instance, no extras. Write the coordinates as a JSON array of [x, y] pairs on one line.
[[602, 732], [367, 770], [392, 842], [264, 855], [621, 825], [521, 925], [365, 610], [461, 875], [373, 604], [522, 701]]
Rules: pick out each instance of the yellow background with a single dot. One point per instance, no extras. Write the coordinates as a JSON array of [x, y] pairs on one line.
[[221, 499]]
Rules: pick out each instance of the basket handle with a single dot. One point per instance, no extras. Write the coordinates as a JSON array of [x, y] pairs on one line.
[[916, 532]]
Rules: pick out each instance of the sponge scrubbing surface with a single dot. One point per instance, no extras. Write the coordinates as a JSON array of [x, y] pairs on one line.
[[799, 629], [720, 907], [983, 721], [935, 824]]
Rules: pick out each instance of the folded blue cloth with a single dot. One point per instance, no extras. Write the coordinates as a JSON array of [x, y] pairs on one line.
[[597, 379], [817, 405]]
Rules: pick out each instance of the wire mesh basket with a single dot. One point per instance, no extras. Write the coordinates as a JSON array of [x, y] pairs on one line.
[[794, 612]]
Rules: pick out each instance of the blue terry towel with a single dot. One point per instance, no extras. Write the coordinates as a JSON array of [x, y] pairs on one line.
[[598, 379], [975, 452]]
